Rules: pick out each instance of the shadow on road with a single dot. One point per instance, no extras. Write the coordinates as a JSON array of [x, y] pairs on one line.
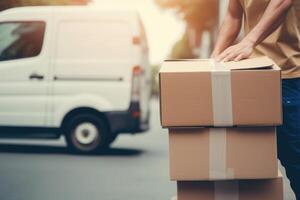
[[38, 149]]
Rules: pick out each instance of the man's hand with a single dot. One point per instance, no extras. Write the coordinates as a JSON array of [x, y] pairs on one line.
[[272, 18], [230, 27], [242, 50]]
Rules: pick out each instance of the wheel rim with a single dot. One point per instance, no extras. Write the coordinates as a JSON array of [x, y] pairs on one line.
[[86, 133]]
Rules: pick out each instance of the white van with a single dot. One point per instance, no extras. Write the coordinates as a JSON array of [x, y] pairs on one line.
[[79, 71]]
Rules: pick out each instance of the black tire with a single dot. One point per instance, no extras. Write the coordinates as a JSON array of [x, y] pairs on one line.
[[75, 132]]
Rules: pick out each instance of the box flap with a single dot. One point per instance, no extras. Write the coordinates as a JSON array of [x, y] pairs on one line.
[[253, 63], [193, 65], [206, 65]]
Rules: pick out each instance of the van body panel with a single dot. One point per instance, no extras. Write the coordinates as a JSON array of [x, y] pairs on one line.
[[65, 104]]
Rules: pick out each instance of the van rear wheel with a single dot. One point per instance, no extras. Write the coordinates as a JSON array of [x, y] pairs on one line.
[[87, 133]]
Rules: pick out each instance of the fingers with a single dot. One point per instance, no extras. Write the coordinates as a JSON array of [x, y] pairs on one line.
[[214, 55], [224, 54], [230, 57], [235, 53], [240, 57]]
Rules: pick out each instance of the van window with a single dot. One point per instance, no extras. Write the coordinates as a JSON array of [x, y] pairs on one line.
[[94, 40], [21, 39]]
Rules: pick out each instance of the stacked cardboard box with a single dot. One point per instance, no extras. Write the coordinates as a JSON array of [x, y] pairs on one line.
[[221, 120]]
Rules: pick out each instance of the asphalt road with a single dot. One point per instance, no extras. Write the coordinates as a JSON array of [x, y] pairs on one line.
[[136, 168]]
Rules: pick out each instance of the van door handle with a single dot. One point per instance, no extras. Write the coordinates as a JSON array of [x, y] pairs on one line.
[[36, 76]]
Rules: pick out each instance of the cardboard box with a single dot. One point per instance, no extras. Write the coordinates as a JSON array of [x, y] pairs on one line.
[[222, 154], [202, 93], [270, 189]]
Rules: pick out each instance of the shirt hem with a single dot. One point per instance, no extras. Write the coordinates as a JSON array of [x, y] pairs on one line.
[[290, 76]]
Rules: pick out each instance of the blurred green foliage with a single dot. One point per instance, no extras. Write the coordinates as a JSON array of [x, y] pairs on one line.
[[182, 49], [155, 81], [5, 4]]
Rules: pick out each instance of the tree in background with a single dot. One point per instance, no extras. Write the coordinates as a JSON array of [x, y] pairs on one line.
[[199, 15], [182, 49], [5, 4]]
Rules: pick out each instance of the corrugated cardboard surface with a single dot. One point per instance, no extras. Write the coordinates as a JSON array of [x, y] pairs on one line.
[[186, 93], [251, 153], [271, 189]]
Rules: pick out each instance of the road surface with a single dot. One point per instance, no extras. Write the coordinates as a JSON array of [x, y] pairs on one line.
[[136, 168]]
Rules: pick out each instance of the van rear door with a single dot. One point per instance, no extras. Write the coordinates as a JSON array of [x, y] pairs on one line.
[[146, 83]]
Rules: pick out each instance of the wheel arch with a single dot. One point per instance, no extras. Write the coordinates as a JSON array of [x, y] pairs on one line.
[[81, 110]]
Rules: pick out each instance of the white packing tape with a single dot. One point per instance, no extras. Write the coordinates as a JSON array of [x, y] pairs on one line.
[[217, 154], [221, 95], [226, 190]]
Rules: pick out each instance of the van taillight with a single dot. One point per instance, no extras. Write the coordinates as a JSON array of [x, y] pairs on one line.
[[137, 72], [136, 40]]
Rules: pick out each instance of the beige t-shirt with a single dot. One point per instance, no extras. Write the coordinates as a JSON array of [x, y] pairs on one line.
[[283, 45]]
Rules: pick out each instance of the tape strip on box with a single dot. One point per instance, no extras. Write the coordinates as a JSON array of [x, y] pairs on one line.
[[218, 169], [217, 154], [221, 95]]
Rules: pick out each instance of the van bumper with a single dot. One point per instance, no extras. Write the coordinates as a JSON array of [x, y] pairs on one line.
[[127, 121]]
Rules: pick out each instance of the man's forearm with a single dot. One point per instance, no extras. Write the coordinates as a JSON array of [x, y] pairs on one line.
[[230, 28], [272, 18], [228, 34]]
